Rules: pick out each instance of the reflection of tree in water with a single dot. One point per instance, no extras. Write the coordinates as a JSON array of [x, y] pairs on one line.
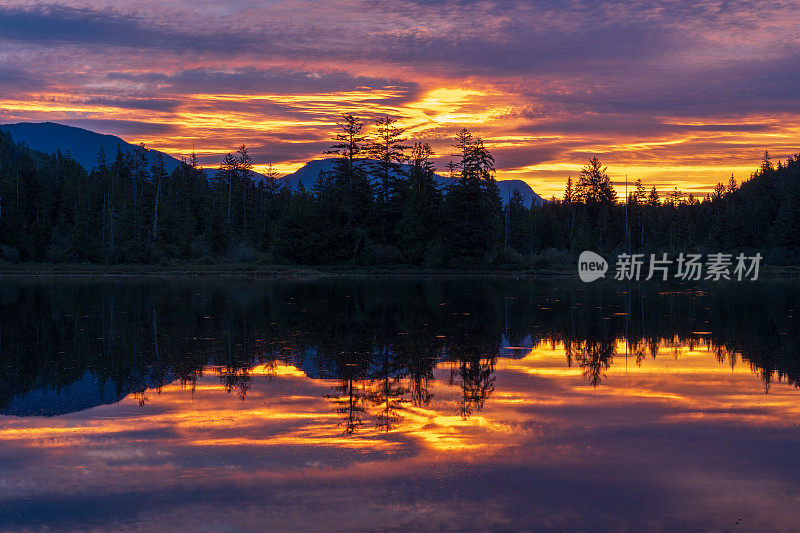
[[386, 389], [384, 392], [141, 398], [349, 401], [421, 353], [475, 376], [388, 377], [380, 341], [347, 361], [235, 379], [594, 357]]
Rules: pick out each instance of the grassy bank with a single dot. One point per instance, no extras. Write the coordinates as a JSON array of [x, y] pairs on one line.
[[257, 270], [285, 271]]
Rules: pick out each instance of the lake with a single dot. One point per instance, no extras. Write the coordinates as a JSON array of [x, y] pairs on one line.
[[426, 404]]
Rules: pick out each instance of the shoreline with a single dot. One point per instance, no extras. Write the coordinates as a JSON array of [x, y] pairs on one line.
[[71, 270], [40, 270]]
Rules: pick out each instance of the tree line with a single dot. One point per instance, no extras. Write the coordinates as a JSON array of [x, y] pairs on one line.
[[760, 214], [378, 342], [380, 204]]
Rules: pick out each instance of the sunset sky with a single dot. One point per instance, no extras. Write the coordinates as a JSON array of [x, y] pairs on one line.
[[677, 93]]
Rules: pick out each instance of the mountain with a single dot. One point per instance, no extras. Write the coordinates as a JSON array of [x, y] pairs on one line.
[[308, 173], [83, 145], [528, 194]]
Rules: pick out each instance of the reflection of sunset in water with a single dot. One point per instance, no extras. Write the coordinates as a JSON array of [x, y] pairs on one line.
[[471, 406], [286, 428]]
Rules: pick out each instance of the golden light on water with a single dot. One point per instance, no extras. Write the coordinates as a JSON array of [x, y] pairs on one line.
[[286, 408], [287, 436]]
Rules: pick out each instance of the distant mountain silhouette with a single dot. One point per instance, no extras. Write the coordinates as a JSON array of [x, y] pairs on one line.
[[83, 145], [308, 173]]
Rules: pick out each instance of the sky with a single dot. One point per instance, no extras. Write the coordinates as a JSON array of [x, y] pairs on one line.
[[678, 93]]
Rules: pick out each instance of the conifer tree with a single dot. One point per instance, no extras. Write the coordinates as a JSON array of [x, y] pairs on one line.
[[418, 229], [351, 184]]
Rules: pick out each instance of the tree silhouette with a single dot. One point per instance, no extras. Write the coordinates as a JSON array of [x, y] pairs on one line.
[[594, 185]]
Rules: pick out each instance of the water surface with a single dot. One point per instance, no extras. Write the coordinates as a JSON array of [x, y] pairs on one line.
[[389, 405]]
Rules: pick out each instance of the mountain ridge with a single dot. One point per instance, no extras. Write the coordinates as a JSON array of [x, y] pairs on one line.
[[308, 173], [83, 145]]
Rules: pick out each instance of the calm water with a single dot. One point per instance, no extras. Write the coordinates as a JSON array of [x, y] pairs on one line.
[[432, 405]]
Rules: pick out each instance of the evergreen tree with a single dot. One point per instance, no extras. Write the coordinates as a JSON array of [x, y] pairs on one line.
[[594, 185], [473, 203], [352, 185], [244, 164], [418, 229], [388, 153], [569, 191], [518, 226]]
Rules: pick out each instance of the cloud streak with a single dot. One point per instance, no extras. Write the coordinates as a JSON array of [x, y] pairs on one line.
[[698, 86]]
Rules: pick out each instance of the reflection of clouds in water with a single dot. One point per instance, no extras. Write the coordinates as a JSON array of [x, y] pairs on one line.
[[457, 430], [650, 429]]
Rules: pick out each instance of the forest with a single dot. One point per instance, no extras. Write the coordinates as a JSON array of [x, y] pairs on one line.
[[369, 210]]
